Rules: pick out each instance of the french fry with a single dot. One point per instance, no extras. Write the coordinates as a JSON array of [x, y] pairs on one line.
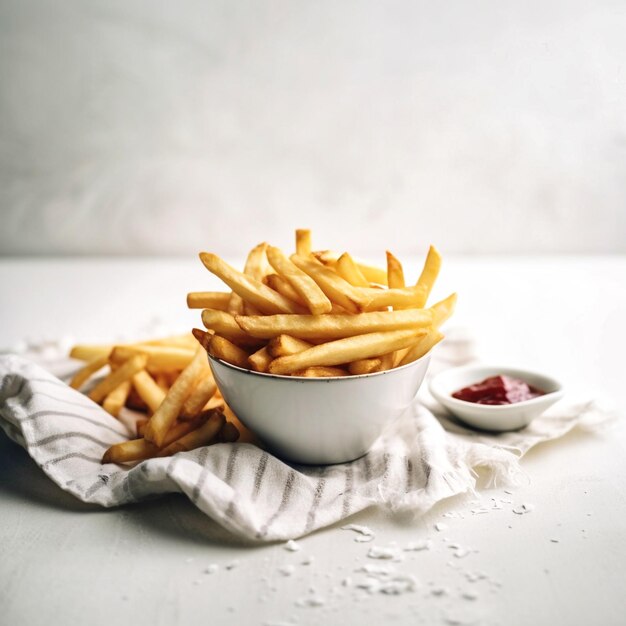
[[372, 274], [260, 360], [255, 268], [303, 241], [250, 289], [124, 372], [84, 374], [208, 300], [168, 410], [346, 350], [349, 270], [429, 274], [285, 345], [336, 288], [221, 348], [203, 338], [407, 298], [321, 372], [364, 366], [140, 426], [163, 381], [228, 433], [315, 299], [279, 284], [395, 273], [203, 391], [116, 399], [425, 344], [196, 438], [443, 309], [159, 357], [88, 352], [148, 389], [131, 450], [224, 324], [333, 326]]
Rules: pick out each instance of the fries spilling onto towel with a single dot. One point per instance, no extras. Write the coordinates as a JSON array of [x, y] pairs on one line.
[[318, 314], [170, 381]]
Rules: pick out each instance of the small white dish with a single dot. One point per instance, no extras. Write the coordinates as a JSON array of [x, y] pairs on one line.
[[489, 417], [319, 421]]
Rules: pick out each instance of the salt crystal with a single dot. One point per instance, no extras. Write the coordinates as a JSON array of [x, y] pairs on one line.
[[454, 546], [416, 546], [232, 564], [469, 595], [479, 511], [366, 533], [211, 569], [292, 546], [554, 540], [506, 501], [311, 601], [287, 570], [440, 526], [380, 552], [307, 560], [461, 552], [363, 538], [507, 491], [523, 508], [346, 582], [449, 514], [439, 591]]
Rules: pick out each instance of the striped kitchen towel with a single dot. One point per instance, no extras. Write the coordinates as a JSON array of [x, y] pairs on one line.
[[244, 488]]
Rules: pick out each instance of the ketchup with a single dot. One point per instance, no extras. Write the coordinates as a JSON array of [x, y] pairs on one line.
[[498, 390]]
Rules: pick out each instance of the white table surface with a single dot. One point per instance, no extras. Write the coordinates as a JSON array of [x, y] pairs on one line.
[[63, 562]]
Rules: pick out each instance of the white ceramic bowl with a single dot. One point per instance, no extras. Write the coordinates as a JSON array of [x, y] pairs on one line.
[[494, 417], [319, 420]]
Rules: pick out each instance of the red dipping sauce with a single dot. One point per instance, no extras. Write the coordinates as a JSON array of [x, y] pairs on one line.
[[498, 390]]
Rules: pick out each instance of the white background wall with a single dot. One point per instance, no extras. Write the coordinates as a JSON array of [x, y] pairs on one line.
[[130, 126]]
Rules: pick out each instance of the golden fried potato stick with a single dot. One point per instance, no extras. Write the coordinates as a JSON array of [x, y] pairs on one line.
[[250, 289], [303, 241], [285, 345], [260, 360], [346, 350], [321, 372], [196, 438], [395, 273], [124, 372], [221, 348], [429, 274], [425, 344], [203, 391], [315, 299], [85, 373], [159, 357], [279, 284], [208, 300], [443, 309], [224, 324], [372, 274], [336, 288], [364, 366], [255, 267], [116, 399], [407, 298], [139, 449], [349, 270], [88, 352], [203, 338], [333, 326], [163, 381], [148, 390], [140, 426], [228, 433], [168, 411]]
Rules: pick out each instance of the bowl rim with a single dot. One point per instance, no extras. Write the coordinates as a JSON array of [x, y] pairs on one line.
[[325, 379], [447, 399]]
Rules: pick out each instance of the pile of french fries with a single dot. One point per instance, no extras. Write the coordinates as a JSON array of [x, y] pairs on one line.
[[170, 381], [318, 314]]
